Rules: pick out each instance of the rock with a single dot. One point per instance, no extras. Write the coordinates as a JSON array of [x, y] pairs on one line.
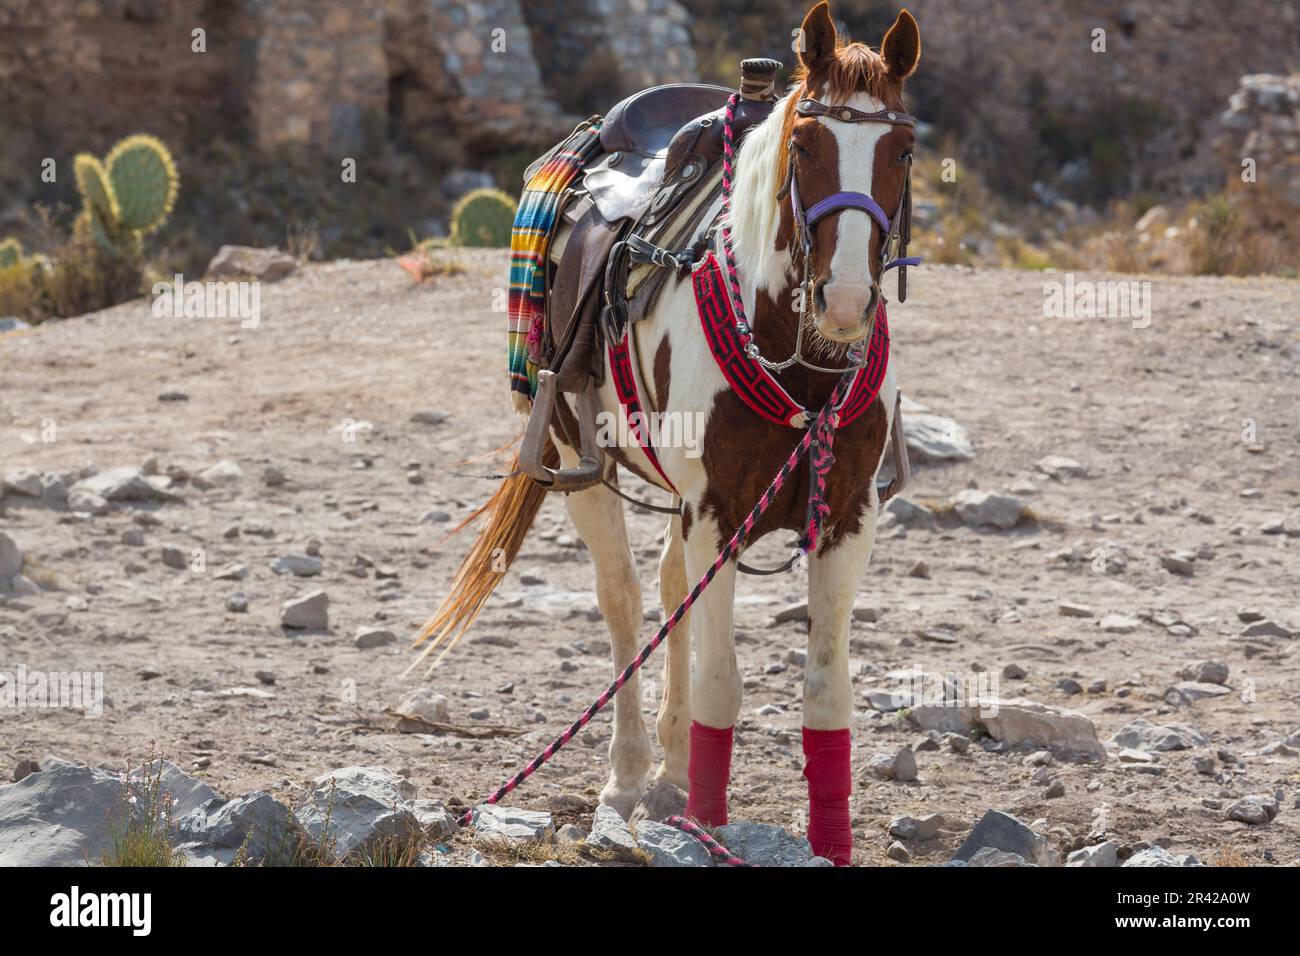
[[11, 558], [792, 612], [64, 815], [661, 801], [900, 767], [1152, 856], [11, 323], [764, 844], [247, 262], [1189, 691], [1119, 624], [1141, 734], [309, 612], [1055, 790], [919, 570], [910, 828], [987, 509], [513, 825], [1074, 610], [868, 615], [426, 705], [222, 473], [272, 476], [133, 537], [932, 438], [990, 856], [905, 512], [898, 852], [1059, 467], [173, 556], [368, 637], [438, 822], [609, 834], [1254, 810], [1015, 721], [25, 768], [231, 572], [429, 418], [570, 833], [23, 481], [1001, 831], [356, 807], [1102, 854], [1179, 562], [1205, 672], [668, 846], [299, 565], [257, 822], [119, 484], [173, 395], [1014, 672], [1267, 629], [86, 502], [237, 603]]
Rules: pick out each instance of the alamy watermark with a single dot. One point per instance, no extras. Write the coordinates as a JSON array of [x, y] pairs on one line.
[[1084, 299], [916, 687], [179, 299], [663, 429], [23, 689]]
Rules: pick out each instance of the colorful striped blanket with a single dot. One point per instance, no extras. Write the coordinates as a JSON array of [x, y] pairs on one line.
[[529, 241]]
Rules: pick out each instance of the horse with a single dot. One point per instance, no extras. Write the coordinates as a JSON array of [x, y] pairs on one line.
[[834, 133]]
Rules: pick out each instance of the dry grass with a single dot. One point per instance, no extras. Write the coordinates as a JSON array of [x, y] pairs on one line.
[[1228, 857]]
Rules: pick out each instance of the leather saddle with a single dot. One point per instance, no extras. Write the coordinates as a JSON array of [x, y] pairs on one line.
[[659, 145]]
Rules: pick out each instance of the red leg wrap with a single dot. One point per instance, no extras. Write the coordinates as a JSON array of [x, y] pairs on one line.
[[829, 784], [708, 770]]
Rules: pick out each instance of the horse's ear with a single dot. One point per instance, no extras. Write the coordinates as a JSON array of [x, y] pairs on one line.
[[817, 38], [902, 46]]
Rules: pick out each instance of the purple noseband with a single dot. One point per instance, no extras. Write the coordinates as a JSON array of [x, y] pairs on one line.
[[846, 200]]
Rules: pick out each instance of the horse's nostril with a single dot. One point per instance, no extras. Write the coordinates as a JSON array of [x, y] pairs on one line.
[[819, 295]]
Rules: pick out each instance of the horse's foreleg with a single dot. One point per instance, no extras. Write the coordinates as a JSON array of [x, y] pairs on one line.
[[673, 725], [597, 515], [715, 683], [833, 579]]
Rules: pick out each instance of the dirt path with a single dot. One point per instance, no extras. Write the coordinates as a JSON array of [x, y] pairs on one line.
[[1156, 416]]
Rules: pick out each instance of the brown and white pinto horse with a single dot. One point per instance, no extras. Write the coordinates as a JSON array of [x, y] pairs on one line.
[[740, 451]]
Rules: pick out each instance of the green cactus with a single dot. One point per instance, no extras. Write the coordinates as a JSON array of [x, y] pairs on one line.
[[483, 218], [11, 253], [144, 182], [127, 195]]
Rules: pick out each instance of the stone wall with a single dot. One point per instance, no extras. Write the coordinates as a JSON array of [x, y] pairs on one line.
[[1262, 129]]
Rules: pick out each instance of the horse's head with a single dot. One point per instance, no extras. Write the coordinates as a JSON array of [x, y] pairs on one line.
[[847, 145]]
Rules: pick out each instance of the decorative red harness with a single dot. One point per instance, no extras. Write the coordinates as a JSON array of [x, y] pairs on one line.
[[755, 385]]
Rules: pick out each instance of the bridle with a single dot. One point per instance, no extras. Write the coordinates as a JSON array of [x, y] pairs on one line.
[[897, 234]]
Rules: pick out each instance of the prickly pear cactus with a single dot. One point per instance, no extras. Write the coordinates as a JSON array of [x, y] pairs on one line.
[[144, 182], [96, 192], [483, 218], [11, 253]]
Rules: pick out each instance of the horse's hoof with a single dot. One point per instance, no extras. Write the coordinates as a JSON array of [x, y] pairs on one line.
[[622, 799], [678, 779]]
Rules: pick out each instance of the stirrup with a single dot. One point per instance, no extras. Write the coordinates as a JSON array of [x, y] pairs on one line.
[[902, 464], [591, 460]]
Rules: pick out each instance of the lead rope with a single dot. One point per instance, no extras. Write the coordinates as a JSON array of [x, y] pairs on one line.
[[824, 430]]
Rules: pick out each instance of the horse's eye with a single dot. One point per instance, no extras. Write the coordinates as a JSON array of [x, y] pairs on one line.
[[798, 149], [905, 155]]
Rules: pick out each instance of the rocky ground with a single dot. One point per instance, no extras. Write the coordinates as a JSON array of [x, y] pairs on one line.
[[240, 528]]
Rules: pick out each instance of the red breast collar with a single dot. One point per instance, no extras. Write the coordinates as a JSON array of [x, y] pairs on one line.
[[756, 386]]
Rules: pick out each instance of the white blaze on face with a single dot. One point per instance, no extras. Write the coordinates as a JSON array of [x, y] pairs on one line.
[[848, 290]]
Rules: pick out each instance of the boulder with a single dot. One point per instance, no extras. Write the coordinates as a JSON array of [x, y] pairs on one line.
[[370, 637], [1152, 856], [661, 801], [1002, 831], [1141, 734], [299, 565], [764, 844], [224, 472], [609, 834], [1254, 809], [513, 825], [439, 823], [987, 509], [1015, 721], [356, 807], [932, 438], [11, 559], [257, 822], [424, 705], [120, 484], [60, 816], [1102, 854], [309, 612], [668, 846], [23, 481]]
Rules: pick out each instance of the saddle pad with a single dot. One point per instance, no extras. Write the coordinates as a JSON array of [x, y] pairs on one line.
[[529, 239], [757, 387]]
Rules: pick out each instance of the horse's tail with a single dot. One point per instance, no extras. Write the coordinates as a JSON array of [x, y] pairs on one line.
[[510, 513]]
